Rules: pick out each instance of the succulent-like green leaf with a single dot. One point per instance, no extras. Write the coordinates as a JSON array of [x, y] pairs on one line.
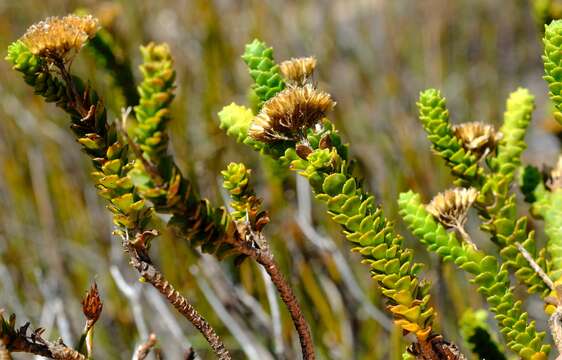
[[552, 60], [263, 69], [491, 278], [434, 116]]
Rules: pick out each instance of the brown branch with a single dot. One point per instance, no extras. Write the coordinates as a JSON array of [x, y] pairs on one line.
[[16, 340], [286, 293], [142, 263], [144, 349], [264, 257]]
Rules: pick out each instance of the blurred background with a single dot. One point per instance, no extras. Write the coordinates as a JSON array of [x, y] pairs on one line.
[[374, 57]]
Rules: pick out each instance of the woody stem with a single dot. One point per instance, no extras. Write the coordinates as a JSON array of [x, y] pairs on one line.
[[152, 275], [265, 258]]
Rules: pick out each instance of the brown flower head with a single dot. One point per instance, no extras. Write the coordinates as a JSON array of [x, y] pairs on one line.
[[450, 207], [555, 181], [92, 305], [297, 71], [288, 114], [477, 137], [58, 38]]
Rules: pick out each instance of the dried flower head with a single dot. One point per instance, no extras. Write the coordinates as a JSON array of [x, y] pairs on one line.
[[450, 208], [477, 136], [555, 181], [58, 38], [298, 70], [92, 305], [288, 114]]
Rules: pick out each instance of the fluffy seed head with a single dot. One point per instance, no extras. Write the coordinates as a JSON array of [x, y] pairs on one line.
[[288, 114], [450, 207], [477, 136], [298, 70], [57, 38]]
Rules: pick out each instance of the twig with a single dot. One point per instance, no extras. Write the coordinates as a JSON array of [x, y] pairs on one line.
[[252, 243], [166, 316], [17, 340], [246, 341], [144, 349], [265, 258], [142, 263], [536, 267], [275, 315]]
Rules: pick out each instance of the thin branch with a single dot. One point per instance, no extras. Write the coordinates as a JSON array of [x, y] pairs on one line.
[[536, 267], [265, 258], [17, 340], [142, 263], [275, 315], [144, 349], [166, 316], [253, 244], [246, 341]]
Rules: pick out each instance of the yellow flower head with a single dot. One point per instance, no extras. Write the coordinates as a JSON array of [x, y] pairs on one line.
[[57, 38], [450, 207], [297, 71], [477, 137], [288, 114]]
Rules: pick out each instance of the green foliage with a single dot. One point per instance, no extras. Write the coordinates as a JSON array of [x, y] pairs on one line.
[[517, 117], [491, 278], [155, 175], [478, 335], [235, 120], [237, 183], [434, 117], [498, 204], [364, 224], [553, 229], [35, 75], [263, 69], [549, 207], [99, 140], [156, 94], [552, 59], [530, 178], [373, 236]]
